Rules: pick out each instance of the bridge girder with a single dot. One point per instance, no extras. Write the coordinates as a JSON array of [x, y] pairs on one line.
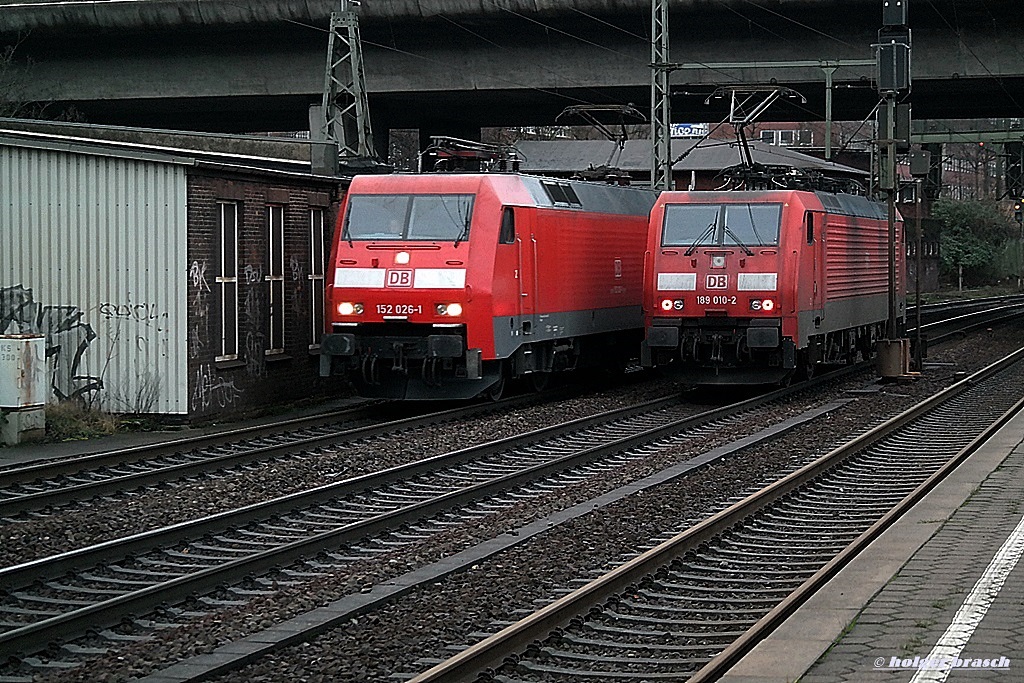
[[504, 69]]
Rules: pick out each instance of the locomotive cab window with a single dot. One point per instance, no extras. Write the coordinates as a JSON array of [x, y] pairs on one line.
[[741, 225], [752, 224], [687, 224], [508, 226], [809, 217], [437, 217]]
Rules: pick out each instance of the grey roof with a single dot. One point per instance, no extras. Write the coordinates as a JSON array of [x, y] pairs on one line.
[[562, 156], [161, 153]]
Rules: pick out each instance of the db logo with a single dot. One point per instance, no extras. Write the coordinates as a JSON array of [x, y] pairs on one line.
[[399, 278], [717, 282]]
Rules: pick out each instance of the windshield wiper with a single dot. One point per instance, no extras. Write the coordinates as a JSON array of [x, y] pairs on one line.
[[753, 224], [700, 238], [462, 235], [737, 240]]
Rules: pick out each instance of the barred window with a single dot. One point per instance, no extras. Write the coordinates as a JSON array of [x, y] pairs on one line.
[[227, 278], [316, 275], [275, 279]]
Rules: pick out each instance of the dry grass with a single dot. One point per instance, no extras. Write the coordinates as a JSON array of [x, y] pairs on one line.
[[71, 421]]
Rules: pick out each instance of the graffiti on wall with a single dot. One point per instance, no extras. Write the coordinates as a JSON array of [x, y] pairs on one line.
[[252, 274], [211, 390], [200, 327], [298, 286], [67, 339], [297, 269], [254, 309], [143, 327], [145, 314]]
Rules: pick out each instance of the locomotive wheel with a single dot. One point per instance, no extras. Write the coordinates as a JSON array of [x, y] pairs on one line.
[[540, 381], [497, 390], [806, 367]]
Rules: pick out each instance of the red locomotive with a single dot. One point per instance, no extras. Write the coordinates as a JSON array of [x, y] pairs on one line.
[[448, 285], [749, 287]]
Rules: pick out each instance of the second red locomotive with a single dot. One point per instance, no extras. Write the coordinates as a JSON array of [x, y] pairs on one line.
[[749, 287], [448, 285]]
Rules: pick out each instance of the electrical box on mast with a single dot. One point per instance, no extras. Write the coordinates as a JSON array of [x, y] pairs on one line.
[[894, 13], [894, 62]]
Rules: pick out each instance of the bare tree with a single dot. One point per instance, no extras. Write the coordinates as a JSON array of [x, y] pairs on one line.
[[15, 73], [12, 80]]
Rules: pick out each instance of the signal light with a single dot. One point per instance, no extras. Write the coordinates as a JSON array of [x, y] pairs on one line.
[[672, 304], [1018, 211]]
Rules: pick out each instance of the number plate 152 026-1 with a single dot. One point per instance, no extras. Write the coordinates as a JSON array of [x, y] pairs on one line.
[[399, 309]]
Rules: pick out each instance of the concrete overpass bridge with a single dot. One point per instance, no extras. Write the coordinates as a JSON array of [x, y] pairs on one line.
[[453, 66]]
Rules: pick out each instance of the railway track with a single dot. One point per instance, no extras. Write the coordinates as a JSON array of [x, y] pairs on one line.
[[690, 607], [63, 482], [950, 309], [323, 530], [948, 320]]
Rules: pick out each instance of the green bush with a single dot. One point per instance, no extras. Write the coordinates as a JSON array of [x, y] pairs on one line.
[[973, 234]]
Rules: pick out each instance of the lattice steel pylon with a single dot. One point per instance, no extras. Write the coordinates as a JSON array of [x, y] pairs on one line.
[[661, 106], [345, 107]]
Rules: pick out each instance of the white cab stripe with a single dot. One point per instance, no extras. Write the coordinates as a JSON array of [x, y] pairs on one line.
[[439, 278], [757, 282], [359, 277], [677, 282]]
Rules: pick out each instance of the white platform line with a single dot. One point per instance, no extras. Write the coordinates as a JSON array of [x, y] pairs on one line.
[[974, 607]]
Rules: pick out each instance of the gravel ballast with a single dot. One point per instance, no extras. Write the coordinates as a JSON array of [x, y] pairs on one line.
[[424, 623]]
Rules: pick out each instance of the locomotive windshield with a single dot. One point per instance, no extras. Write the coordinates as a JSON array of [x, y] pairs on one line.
[[742, 225], [428, 217]]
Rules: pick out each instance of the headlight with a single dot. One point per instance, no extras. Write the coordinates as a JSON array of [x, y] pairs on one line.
[[766, 305], [348, 308], [451, 310]]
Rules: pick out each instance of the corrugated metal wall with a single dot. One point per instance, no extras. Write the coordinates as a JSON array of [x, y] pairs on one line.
[[93, 254]]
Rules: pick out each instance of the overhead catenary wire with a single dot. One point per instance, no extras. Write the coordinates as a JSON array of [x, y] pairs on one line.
[[549, 27], [957, 32], [572, 82], [798, 23]]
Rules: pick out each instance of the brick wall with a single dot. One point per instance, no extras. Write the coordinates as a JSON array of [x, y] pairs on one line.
[[253, 380]]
